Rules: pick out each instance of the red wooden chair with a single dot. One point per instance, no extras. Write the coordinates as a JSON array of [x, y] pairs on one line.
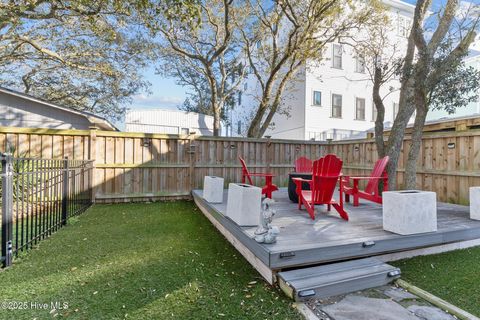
[[269, 186], [371, 192], [303, 164], [325, 174]]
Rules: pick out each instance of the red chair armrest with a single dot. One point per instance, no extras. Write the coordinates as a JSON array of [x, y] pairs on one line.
[[299, 181]]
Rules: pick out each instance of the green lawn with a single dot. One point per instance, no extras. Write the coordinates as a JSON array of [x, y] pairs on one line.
[[453, 276], [140, 261]]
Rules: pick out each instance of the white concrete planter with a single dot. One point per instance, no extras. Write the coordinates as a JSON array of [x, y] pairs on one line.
[[475, 203], [213, 189], [409, 211], [244, 204]]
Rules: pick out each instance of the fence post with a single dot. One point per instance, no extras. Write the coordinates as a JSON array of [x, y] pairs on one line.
[[65, 191], [92, 155], [7, 207]]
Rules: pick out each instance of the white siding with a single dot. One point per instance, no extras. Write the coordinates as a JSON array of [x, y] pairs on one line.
[[168, 122], [307, 121]]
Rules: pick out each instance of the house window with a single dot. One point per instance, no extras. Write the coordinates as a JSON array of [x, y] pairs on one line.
[[336, 106], [395, 110], [239, 127], [245, 86], [317, 98], [239, 97], [360, 64], [360, 109], [337, 56], [374, 112]]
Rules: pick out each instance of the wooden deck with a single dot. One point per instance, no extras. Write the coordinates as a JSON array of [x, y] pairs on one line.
[[328, 238]]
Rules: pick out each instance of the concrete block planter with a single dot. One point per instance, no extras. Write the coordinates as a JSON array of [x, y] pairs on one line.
[[244, 204], [213, 189], [475, 203], [409, 211]]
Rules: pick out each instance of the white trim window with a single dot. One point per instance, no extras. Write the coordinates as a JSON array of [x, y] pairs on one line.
[[359, 109], [336, 105], [317, 98], [337, 51], [360, 63]]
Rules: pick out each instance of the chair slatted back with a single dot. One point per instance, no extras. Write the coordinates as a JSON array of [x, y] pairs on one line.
[[379, 170], [245, 172], [325, 175], [303, 164]]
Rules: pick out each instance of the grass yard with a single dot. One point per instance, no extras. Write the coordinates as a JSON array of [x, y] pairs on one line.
[[140, 261], [453, 276]]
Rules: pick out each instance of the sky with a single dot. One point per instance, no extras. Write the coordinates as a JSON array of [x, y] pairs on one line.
[[165, 94]]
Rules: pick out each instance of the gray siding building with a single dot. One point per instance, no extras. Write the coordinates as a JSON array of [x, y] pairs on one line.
[[22, 110]]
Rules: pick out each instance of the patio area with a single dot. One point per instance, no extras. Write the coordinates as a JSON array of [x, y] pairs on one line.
[[304, 242]]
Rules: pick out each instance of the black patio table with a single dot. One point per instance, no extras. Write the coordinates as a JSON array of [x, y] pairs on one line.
[[292, 193]]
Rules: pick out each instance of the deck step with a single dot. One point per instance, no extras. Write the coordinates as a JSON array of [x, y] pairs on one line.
[[336, 278]]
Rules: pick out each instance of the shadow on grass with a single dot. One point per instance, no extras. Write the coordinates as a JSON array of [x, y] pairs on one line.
[[142, 261]]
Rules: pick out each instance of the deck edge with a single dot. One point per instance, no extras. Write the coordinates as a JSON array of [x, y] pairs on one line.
[[256, 263]]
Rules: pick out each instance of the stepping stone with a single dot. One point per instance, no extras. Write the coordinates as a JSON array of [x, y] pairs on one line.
[[398, 294], [362, 308], [430, 313]]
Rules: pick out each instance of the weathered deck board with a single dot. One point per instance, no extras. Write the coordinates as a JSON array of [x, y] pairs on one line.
[[329, 238]]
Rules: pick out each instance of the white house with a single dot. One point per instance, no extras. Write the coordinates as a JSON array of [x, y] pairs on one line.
[[168, 121], [22, 110], [333, 99]]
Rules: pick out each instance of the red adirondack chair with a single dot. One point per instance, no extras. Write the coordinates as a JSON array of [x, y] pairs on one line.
[[371, 192], [325, 174], [269, 186], [303, 164]]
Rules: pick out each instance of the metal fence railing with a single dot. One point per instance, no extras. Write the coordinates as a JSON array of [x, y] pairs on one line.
[[38, 197]]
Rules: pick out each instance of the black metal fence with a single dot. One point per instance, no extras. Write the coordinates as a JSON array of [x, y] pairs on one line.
[[38, 197]]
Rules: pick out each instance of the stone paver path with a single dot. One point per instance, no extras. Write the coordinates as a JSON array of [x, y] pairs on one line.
[[385, 303]]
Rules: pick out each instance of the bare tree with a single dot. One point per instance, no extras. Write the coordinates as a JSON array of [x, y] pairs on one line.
[[208, 50], [382, 60], [406, 107], [288, 34], [229, 73], [430, 67]]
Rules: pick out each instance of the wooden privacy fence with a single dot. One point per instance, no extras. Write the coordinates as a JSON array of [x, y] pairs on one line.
[[139, 167]]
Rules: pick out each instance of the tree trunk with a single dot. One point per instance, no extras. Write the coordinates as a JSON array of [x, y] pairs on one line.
[[417, 134], [254, 130], [395, 140], [214, 100], [255, 124], [216, 124], [378, 104]]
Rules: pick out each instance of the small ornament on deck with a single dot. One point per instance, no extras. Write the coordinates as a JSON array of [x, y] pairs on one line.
[[266, 233]]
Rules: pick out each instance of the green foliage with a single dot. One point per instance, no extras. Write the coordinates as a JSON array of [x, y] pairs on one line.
[[83, 54], [458, 85], [141, 261]]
